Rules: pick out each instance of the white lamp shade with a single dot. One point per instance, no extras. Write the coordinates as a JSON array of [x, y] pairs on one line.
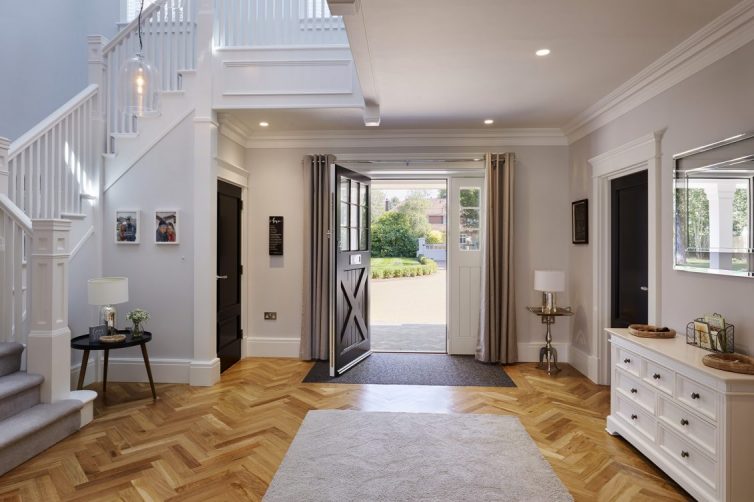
[[107, 290], [550, 281]]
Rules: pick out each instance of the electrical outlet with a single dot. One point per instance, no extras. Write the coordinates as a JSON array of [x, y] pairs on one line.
[[270, 316]]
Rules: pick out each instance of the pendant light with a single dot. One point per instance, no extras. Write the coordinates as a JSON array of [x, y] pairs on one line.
[[139, 83]]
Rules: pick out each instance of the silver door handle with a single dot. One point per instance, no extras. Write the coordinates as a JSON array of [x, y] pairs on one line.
[[222, 276], [644, 288]]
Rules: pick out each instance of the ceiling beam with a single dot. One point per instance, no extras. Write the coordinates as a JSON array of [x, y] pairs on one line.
[[353, 17]]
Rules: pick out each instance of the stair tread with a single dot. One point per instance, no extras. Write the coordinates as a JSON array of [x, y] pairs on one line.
[[18, 382], [10, 348], [34, 419]]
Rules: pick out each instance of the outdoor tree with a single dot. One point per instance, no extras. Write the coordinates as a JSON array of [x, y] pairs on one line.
[[435, 237], [415, 209], [377, 203], [740, 211], [392, 236]]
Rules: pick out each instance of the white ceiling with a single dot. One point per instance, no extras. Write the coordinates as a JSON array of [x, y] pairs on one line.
[[449, 64]]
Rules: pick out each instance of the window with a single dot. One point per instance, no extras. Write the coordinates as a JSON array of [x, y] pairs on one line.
[[354, 216], [436, 219], [469, 221]]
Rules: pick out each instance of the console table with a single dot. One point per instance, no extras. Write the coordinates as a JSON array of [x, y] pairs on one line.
[[692, 421], [83, 343]]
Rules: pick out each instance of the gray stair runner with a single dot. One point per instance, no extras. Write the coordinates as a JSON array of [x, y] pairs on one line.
[[26, 426], [10, 357]]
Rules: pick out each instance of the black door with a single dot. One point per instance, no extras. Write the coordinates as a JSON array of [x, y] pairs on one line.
[[229, 269], [351, 342], [629, 250]]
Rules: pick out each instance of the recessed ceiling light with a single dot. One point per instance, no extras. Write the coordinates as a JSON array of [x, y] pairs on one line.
[[264, 124], [543, 52], [372, 123], [489, 121]]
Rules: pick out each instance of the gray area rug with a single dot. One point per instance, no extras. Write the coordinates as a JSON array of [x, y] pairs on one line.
[[416, 369], [371, 456]]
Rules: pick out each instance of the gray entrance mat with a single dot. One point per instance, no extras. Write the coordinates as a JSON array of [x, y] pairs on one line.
[[342, 455], [416, 369]]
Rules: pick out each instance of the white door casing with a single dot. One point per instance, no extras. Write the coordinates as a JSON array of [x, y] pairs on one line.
[[464, 271], [642, 154]]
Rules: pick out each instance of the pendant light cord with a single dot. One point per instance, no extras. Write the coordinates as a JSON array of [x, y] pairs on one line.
[[141, 45]]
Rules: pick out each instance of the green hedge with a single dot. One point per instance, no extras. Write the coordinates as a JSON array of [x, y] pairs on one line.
[[422, 266]]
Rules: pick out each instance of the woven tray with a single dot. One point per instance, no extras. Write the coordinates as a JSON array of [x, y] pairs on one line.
[[649, 331], [736, 363], [112, 338]]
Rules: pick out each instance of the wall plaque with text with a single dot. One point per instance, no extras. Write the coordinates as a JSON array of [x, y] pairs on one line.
[[276, 236]]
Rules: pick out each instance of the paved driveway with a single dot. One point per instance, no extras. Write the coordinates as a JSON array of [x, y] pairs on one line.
[[409, 314]]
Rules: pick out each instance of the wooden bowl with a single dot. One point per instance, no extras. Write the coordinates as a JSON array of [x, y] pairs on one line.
[[112, 338], [736, 363], [650, 331]]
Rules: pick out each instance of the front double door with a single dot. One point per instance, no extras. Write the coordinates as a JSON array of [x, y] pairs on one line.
[[350, 342]]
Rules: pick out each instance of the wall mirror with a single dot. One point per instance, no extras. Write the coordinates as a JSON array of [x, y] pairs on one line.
[[713, 207]]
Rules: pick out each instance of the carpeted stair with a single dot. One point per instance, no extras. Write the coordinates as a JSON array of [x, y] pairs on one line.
[[27, 426]]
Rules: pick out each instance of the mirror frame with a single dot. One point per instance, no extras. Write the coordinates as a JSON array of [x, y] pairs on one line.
[[688, 153]]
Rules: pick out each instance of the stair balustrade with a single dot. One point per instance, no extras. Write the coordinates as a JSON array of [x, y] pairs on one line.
[[168, 31], [266, 23]]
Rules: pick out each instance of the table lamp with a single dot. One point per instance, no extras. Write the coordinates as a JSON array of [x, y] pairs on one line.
[[549, 282], [106, 292]]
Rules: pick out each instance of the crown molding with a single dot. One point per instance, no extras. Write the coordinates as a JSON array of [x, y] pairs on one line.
[[233, 129], [727, 33], [413, 138]]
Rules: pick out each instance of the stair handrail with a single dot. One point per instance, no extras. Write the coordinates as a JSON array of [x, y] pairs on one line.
[[16, 214], [33, 134], [133, 25]]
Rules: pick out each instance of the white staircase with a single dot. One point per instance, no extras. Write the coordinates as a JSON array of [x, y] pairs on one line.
[[212, 54]]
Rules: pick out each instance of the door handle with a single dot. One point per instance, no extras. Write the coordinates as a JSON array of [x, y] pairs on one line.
[[222, 276], [644, 288]]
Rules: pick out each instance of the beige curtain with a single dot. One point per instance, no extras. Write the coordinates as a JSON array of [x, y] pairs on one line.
[[315, 325], [497, 334]]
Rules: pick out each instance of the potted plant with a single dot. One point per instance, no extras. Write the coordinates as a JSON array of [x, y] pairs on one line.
[[138, 317]]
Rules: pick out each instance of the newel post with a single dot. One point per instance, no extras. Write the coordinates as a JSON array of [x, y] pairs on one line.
[[49, 342], [4, 145]]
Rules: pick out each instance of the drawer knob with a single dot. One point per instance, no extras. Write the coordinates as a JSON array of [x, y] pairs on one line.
[[627, 361], [694, 395], [634, 391], [656, 376], [634, 417], [684, 421], [684, 454]]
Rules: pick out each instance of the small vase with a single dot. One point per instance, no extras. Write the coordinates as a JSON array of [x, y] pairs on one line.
[[137, 330]]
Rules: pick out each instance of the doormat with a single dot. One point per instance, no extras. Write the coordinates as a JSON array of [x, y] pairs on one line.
[[356, 455], [416, 369]]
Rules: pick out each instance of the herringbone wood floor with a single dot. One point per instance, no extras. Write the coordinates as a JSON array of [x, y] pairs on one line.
[[225, 442]]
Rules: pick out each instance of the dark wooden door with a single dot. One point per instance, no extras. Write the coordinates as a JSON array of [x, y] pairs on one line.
[[229, 270], [351, 342], [629, 250]]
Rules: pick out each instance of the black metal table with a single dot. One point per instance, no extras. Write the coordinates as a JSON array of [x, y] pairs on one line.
[[83, 343]]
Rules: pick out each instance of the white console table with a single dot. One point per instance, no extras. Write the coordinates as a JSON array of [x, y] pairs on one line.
[[694, 422]]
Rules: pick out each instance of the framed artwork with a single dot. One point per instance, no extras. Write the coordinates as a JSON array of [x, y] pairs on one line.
[[166, 226], [580, 221], [127, 226]]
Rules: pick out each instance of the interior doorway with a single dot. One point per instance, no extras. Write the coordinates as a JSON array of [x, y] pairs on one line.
[[229, 270], [408, 291]]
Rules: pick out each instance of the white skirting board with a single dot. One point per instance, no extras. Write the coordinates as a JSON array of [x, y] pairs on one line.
[[586, 364], [131, 369], [271, 347]]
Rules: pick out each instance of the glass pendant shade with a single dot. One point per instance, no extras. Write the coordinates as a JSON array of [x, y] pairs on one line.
[[139, 87]]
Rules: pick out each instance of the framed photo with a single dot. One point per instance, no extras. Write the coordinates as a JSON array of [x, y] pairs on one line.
[[580, 221], [127, 226], [166, 226]]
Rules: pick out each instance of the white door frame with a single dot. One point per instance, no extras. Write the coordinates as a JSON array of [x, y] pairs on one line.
[[642, 154], [238, 176]]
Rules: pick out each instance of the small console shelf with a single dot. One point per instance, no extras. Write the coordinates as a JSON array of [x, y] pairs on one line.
[[693, 421]]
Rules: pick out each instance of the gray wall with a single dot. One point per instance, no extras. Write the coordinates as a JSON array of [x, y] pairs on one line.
[[715, 103], [43, 59], [160, 277]]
